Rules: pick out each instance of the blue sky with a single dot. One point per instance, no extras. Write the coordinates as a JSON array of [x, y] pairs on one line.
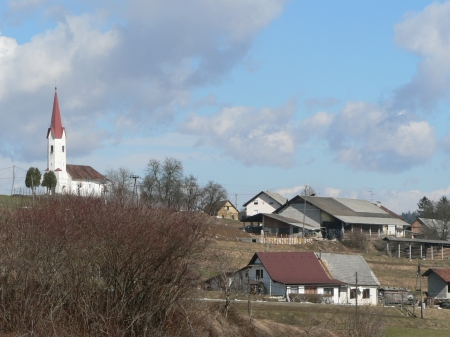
[[254, 94]]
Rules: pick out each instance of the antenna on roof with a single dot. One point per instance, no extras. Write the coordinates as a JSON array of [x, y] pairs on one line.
[[371, 194]]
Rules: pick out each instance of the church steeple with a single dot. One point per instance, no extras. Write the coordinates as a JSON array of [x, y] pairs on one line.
[[56, 147], [56, 126]]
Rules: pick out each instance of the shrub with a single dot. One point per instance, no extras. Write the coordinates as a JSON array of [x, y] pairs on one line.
[[356, 240], [74, 266]]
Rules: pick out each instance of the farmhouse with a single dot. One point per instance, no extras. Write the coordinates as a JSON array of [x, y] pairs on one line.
[[223, 209], [264, 202], [293, 273], [77, 179]]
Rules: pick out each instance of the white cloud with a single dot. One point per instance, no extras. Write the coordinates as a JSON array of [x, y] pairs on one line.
[[331, 192], [426, 34], [254, 137], [127, 67], [290, 192], [368, 137]]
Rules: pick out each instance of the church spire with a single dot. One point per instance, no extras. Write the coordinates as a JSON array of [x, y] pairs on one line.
[[56, 126]]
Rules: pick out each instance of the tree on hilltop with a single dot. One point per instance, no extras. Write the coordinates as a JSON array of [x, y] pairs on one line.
[[33, 178], [49, 181]]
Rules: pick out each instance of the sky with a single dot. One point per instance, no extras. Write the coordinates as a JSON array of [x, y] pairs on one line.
[[349, 98]]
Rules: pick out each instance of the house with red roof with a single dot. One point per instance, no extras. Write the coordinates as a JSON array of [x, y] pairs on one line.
[[337, 278], [77, 179], [290, 273], [438, 282]]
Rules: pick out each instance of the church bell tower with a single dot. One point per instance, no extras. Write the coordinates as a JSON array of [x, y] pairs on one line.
[[56, 147]]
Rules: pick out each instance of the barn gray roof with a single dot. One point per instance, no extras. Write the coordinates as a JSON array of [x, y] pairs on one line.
[[354, 211], [343, 267], [273, 195], [291, 221], [431, 223]]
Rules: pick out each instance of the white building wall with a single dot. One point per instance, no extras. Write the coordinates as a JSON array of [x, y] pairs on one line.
[[320, 291], [344, 297], [273, 288], [86, 188], [262, 204], [56, 159]]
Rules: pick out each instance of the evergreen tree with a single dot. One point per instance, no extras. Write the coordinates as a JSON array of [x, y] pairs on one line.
[[425, 208], [409, 216], [49, 181], [33, 178]]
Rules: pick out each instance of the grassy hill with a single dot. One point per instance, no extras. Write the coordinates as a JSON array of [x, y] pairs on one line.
[[390, 271]]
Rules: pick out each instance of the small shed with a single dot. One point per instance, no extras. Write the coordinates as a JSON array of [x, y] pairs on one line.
[[438, 282]]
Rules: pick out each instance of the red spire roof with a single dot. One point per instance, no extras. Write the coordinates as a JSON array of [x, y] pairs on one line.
[[56, 126]]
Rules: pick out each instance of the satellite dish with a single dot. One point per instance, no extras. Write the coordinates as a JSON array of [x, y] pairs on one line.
[[360, 290]]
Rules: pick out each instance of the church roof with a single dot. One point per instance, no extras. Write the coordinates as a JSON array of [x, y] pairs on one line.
[[56, 126], [83, 172]]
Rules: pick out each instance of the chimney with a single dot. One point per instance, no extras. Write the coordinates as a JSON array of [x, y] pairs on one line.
[[379, 203]]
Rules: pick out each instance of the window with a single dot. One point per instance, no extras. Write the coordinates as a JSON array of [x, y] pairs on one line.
[[228, 208], [366, 293], [51, 149], [259, 274], [328, 291], [63, 148], [255, 202], [310, 290], [294, 290], [255, 211], [352, 293]]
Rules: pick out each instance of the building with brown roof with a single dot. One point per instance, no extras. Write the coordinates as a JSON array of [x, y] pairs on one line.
[[438, 282], [290, 273], [223, 209]]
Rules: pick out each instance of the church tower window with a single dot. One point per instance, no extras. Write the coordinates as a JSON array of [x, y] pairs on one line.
[[63, 148], [51, 149]]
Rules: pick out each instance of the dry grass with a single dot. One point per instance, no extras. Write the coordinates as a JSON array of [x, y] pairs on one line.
[[390, 271]]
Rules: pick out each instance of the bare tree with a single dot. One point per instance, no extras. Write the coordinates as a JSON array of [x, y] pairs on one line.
[[228, 278], [308, 191], [192, 193], [119, 185], [151, 187], [163, 183], [213, 193]]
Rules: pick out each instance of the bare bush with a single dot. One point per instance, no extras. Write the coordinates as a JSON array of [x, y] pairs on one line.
[[379, 245], [74, 266], [365, 323], [356, 240]]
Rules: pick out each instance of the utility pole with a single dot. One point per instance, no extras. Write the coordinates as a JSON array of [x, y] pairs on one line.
[[249, 302], [32, 187], [421, 294], [135, 177], [14, 178], [307, 190], [356, 294]]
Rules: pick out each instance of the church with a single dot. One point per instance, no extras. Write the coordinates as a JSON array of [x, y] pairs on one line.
[[71, 179]]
